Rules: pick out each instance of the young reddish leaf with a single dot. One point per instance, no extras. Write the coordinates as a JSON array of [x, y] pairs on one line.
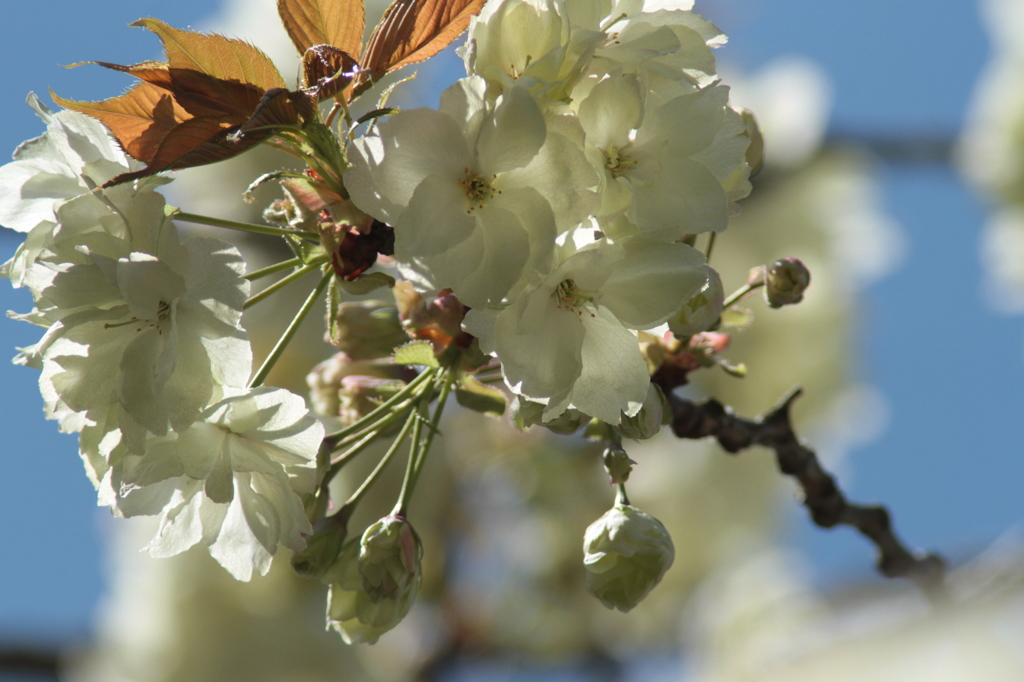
[[324, 22], [413, 30], [215, 55], [214, 98], [278, 107], [326, 71], [140, 119], [196, 142]]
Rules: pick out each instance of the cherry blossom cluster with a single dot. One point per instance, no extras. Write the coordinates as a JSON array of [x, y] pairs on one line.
[[144, 357], [556, 187]]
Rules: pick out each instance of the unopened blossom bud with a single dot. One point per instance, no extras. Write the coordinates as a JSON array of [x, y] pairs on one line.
[[323, 546], [701, 310], [438, 321], [618, 464], [647, 422], [374, 582], [527, 413], [325, 380], [785, 282], [389, 559], [625, 553], [367, 330], [360, 395]]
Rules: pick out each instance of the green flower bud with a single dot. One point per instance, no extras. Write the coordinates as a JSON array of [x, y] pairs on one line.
[[389, 559], [618, 465], [647, 422], [323, 546], [375, 580], [625, 552], [786, 281], [527, 413], [368, 330]]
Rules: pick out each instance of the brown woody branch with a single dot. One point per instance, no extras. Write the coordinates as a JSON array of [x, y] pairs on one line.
[[822, 497]]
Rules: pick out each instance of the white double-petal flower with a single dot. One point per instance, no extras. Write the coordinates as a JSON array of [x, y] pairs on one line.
[[231, 480], [534, 44], [570, 341], [156, 334], [465, 189], [663, 167]]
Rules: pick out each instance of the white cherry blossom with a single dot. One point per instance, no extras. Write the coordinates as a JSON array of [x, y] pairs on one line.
[[232, 480], [570, 341], [460, 186]]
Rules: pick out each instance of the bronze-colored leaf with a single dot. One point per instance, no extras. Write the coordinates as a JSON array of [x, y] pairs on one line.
[[204, 95], [326, 71], [413, 30], [215, 55], [324, 22], [153, 72], [140, 119], [277, 108], [196, 142]]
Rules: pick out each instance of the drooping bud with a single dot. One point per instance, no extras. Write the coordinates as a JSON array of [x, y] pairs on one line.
[[389, 559], [618, 464], [374, 582], [785, 282], [703, 308], [647, 422], [625, 553]]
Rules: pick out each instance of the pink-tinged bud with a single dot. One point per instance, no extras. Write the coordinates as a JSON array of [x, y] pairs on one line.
[[786, 281], [438, 321], [375, 581], [325, 381]]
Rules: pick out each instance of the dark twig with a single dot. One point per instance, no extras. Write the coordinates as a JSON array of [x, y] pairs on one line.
[[822, 497]]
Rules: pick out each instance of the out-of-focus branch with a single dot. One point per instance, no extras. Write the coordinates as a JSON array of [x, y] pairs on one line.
[[40, 662], [822, 497]]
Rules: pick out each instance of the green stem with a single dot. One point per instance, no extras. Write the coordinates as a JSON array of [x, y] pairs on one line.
[[710, 247], [396, 414], [283, 282], [350, 454], [413, 477], [740, 293], [401, 507], [446, 388], [286, 338], [271, 269], [620, 496], [399, 439], [386, 406], [243, 227]]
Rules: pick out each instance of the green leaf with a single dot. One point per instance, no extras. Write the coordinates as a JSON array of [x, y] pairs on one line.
[[308, 251], [737, 318], [475, 396], [416, 353]]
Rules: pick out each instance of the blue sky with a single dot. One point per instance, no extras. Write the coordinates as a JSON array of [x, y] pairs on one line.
[[950, 463]]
